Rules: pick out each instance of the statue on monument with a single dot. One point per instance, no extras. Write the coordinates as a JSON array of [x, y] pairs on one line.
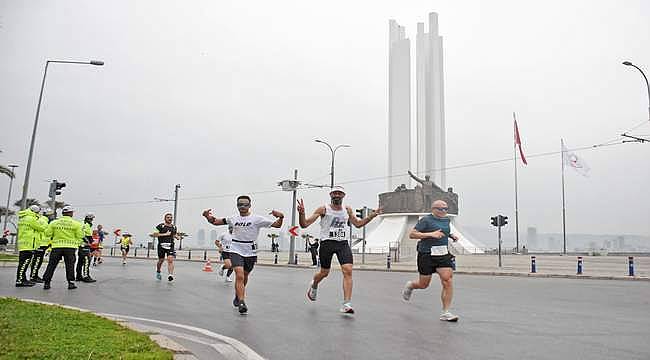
[[427, 188], [419, 199]]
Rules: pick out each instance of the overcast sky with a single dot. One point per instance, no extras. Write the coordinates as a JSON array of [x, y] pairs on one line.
[[227, 97]]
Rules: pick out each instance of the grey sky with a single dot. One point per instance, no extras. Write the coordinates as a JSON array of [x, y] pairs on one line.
[[227, 98]]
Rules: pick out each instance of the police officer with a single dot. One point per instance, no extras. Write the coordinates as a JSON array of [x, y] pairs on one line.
[[29, 229], [83, 255], [66, 234], [41, 247]]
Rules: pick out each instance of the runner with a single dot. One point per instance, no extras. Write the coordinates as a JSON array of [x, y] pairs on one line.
[[95, 251], [434, 231], [243, 250], [166, 233], [223, 243], [125, 245], [102, 234], [334, 240]]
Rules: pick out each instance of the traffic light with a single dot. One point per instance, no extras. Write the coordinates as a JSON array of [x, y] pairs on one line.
[[494, 220], [503, 220], [55, 188], [360, 213]]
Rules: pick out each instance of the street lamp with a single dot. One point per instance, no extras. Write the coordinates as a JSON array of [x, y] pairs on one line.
[[175, 200], [333, 151], [11, 182], [627, 63], [23, 202]]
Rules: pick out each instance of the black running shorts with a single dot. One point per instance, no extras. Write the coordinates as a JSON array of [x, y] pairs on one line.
[[330, 247], [428, 264], [163, 253], [225, 255], [248, 262], [125, 248]]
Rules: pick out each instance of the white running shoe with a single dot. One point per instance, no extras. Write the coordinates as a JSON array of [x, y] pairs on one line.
[[221, 271], [312, 292], [347, 308], [170, 277], [407, 292], [228, 278], [447, 316]]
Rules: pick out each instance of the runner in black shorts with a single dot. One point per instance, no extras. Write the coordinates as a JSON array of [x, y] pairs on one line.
[[334, 240], [243, 250], [223, 243], [434, 231], [166, 233]]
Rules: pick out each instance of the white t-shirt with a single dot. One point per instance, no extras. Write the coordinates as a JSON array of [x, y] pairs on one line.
[[245, 230], [226, 240]]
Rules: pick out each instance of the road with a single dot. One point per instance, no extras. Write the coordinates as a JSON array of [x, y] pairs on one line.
[[501, 317]]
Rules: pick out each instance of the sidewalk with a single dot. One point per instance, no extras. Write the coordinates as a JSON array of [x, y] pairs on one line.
[[594, 267]]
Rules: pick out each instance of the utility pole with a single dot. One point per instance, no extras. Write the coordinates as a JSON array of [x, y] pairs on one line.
[[176, 187], [292, 185]]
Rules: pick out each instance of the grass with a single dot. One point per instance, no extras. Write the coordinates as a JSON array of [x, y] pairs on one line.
[[35, 331], [8, 257]]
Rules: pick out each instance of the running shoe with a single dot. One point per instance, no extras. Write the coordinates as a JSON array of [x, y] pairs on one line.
[[346, 308], [124, 262], [37, 279], [235, 302], [221, 271], [447, 316], [407, 292], [170, 277], [71, 286], [46, 286], [312, 292], [243, 309], [158, 276], [228, 278], [25, 284]]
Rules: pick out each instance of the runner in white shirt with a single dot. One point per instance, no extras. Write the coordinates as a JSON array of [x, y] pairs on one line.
[[224, 242], [334, 237], [243, 250]]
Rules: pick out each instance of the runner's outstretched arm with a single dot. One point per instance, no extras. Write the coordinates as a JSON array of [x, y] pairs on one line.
[[207, 214]]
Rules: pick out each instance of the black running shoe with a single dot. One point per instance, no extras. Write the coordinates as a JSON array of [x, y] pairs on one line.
[[46, 286], [235, 302], [243, 309], [37, 279], [71, 286], [24, 284], [88, 279]]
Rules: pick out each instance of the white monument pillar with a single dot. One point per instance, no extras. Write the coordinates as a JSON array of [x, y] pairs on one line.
[[399, 106]]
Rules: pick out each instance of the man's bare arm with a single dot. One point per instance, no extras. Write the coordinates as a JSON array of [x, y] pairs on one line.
[[207, 214]]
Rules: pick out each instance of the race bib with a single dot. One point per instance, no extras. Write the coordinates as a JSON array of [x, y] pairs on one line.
[[438, 250], [166, 246], [337, 233]]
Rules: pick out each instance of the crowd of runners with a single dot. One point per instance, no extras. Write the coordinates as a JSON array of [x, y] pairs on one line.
[[238, 247]]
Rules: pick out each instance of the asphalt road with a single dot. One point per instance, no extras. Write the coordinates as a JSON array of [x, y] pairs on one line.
[[500, 317]]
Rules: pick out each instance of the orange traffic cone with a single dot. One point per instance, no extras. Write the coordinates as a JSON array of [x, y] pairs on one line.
[[207, 267]]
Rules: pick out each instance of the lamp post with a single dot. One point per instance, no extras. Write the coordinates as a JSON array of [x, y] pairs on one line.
[[627, 63], [11, 182], [333, 151], [175, 200], [23, 201]]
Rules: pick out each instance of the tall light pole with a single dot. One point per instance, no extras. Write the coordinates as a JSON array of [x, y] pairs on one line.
[[175, 200], [11, 182], [627, 63], [23, 201], [333, 151]]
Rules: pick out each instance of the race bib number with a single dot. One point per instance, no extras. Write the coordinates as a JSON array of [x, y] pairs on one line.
[[337, 233], [166, 246], [438, 250]]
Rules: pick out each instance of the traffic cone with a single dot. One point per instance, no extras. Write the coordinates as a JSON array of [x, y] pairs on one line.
[[207, 267]]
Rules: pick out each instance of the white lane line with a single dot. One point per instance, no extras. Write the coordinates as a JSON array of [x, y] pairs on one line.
[[245, 351]]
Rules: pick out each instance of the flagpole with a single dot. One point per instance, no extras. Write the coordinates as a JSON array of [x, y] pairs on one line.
[[516, 194], [563, 203]]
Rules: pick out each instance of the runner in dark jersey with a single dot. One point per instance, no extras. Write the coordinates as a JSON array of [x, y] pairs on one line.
[[166, 234]]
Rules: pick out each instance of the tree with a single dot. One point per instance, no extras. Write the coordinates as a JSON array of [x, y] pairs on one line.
[[7, 171], [30, 202], [3, 211], [274, 246]]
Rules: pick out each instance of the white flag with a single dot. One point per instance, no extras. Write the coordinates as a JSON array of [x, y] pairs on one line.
[[572, 160]]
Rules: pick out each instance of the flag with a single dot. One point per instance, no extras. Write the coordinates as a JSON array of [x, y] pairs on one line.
[[518, 143], [572, 160]]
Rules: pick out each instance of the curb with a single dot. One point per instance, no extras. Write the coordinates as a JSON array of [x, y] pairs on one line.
[[163, 341]]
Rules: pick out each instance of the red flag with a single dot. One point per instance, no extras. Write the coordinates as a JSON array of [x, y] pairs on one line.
[[518, 142]]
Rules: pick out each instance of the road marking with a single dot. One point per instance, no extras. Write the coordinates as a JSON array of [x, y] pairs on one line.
[[244, 351]]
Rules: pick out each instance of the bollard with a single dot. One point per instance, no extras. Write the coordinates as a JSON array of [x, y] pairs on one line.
[[533, 266], [630, 266], [135, 253], [112, 251], [579, 265], [189, 254], [296, 259], [205, 254], [275, 259], [388, 262], [453, 263], [148, 253]]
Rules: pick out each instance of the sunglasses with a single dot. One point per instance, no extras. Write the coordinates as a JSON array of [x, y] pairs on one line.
[[243, 205], [441, 209]]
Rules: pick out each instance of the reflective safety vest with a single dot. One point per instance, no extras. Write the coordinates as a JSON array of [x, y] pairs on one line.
[[44, 240], [65, 232], [29, 230]]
